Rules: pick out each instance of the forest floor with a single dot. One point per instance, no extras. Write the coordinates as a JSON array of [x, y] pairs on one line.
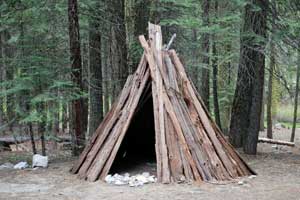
[[278, 169]]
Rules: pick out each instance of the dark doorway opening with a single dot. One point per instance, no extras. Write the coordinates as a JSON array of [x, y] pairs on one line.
[[137, 151]]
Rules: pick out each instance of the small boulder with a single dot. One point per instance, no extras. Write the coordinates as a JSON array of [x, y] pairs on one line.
[[39, 161], [21, 165]]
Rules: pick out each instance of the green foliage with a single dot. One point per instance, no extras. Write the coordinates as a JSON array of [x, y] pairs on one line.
[[285, 113], [41, 59]]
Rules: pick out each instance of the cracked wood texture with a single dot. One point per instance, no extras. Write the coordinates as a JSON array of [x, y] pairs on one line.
[[188, 144]]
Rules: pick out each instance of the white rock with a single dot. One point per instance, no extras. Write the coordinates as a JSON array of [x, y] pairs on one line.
[[126, 179], [119, 182], [135, 183], [252, 176], [109, 179], [241, 183], [21, 165], [117, 176], [146, 174], [39, 161], [132, 181], [151, 179], [7, 166], [141, 179], [182, 179]]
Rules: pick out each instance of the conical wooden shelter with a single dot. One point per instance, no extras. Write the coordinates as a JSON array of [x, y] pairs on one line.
[[188, 144]]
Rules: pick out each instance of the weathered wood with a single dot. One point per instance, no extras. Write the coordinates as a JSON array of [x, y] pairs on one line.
[[104, 132], [227, 161], [243, 168], [156, 43], [188, 144], [182, 140], [176, 166], [125, 126], [216, 166], [154, 58], [273, 141], [93, 139], [120, 128], [108, 127]]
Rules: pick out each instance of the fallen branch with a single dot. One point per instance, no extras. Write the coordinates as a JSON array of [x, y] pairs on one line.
[[279, 142], [171, 41]]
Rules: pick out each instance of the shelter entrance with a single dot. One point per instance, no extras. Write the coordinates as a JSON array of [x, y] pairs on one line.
[[137, 151]]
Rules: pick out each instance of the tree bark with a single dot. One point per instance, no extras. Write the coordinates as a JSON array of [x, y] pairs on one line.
[[8, 53], [1, 79], [258, 19], [118, 47], [205, 55], [262, 113], [75, 53], [95, 77], [32, 139], [42, 127], [270, 90], [106, 68], [137, 16], [296, 100], [247, 103], [215, 75]]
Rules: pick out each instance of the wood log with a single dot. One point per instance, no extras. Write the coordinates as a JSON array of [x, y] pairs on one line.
[[227, 161], [279, 142], [216, 166], [187, 141], [243, 168], [125, 125], [154, 58], [176, 166], [182, 140], [104, 132], [93, 139], [111, 146]]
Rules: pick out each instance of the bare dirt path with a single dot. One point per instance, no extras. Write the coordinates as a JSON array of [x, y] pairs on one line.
[[278, 179]]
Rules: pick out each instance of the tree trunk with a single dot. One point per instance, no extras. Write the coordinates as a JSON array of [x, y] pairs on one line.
[[85, 86], [41, 108], [296, 100], [106, 74], [76, 75], [258, 22], [225, 120], [246, 108], [119, 47], [137, 15], [262, 113], [215, 75], [95, 77], [1, 79], [8, 53], [270, 90], [32, 139], [195, 71], [205, 55]]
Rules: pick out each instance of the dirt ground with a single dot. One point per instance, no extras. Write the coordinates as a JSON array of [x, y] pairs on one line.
[[278, 178]]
